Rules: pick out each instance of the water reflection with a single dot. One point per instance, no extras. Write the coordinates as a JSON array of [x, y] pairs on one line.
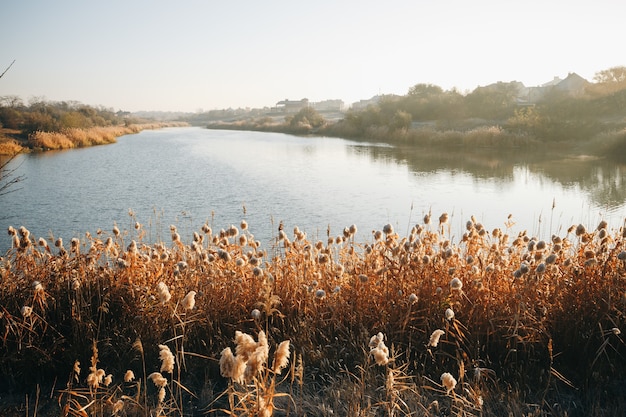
[[603, 181]]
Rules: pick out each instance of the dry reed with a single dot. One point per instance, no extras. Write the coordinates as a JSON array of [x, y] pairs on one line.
[[458, 327]]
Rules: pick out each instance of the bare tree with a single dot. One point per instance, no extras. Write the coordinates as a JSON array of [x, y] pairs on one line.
[[5, 71], [8, 177]]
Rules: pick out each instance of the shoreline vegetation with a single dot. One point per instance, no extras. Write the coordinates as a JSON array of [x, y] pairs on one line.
[[13, 142], [579, 118], [44, 125], [499, 324]]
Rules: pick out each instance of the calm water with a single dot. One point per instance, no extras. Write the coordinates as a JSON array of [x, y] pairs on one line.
[[189, 176]]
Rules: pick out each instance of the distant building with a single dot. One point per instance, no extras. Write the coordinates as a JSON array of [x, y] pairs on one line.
[[329, 106], [572, 85], [363, 104], [291, 106]]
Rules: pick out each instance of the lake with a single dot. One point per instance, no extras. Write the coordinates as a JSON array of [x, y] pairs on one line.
[[189, 176]]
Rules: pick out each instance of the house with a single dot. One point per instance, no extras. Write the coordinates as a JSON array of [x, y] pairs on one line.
[[290, 106], [573, 85], [329, 106], [363, 104]]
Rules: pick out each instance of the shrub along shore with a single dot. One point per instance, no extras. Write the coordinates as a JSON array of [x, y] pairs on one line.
[[500, 323], [70, 138]]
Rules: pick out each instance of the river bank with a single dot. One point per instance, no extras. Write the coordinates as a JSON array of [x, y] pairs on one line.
[[13, 141]]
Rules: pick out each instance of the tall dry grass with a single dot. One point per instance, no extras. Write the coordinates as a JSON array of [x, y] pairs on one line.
[[10, 147], [499, 323], [77, 138]]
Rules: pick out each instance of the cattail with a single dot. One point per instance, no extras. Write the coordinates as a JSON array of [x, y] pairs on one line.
[[24, 232], [11, 231], [434, 337], [376, 339], [448, 382], [412, 298], [227, 363], [263, 346], [118, 406], [95, 377], [167, 359], [161, 395], [256, 314], [380, 353], [245, 345], [116, 231], [254, 366], [157, 379], [189, 301], [281, 357], [129, 376], [388, 229], [363, 278], [456, 284], [443, 219], [580, 230], [26, 311], [319, 294], [449, 314], [164, 293]]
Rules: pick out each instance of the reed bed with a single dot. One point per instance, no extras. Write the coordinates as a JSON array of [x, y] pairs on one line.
[[77, 138], [501, 323], [9, 146]]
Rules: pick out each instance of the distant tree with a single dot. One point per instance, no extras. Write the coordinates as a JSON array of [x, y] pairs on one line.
[[401, 120], [496, 101], [307, 117], [611, 75], [425, 90]]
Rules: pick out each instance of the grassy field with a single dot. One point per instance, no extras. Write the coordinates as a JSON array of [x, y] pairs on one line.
[[500, 323]]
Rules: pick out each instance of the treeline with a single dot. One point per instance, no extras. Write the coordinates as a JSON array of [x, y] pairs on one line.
[[558, 116], [43, 125], [47, 116]]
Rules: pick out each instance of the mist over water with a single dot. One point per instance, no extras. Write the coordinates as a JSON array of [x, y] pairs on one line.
[[189, 176]]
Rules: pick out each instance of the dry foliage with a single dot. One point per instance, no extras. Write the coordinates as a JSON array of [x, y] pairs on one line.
[[500, 323]]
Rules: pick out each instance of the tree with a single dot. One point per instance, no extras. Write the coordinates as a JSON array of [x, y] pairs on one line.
[[307, 117], [611, 75], [8, 178]]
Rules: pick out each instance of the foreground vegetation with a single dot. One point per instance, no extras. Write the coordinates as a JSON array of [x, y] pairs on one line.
[[499, 323]]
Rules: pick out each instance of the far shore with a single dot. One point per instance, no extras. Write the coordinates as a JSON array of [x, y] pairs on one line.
[[13, 142]]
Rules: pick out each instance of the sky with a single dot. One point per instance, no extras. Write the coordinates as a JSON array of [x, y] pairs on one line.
[[192, 55]]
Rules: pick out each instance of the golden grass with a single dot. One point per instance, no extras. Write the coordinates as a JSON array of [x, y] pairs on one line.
[[500, 323], [77, 138], [10, 147]]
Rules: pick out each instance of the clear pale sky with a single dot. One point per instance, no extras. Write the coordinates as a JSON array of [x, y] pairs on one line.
[[188, 55]]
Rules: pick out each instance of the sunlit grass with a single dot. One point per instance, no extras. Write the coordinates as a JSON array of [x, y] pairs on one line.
[[498, 323], [77, 138]]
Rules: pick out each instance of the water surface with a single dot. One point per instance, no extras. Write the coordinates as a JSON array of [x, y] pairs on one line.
[[189, 176]]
